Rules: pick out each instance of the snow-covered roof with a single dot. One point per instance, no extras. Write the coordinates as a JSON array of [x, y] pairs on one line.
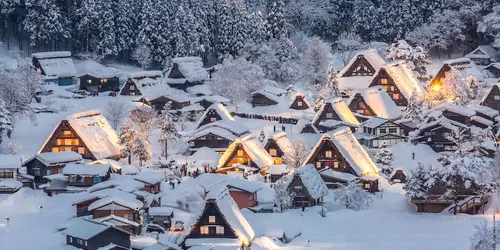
[[404, 78], [213, 98], [337, 175], [231, 213], [466, 67], [282, 140], [50, 158], [146, 74], [224, 133], [278, 169], [373, 122], [483, 51], [96, 133], [312, 181], [220, 110], [273, 90], [355, 82], [90, 169], [149, 177], [56, 64], [371, 56], [341, 108], [119, 200], [161, 211], [191, 68], [380, 102], [237, 128], [124, 183], [116, 221], [253, 148], [455, 109], [93, 68], [482, 120], [85, 229], [103, 193], [10, 161], [486, 110], [11, 183], [268, 95]]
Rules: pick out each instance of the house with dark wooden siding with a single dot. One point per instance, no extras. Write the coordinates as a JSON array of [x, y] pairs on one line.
[[432, 132], [56, 67], [277, 146], [246, 152], [359, 71], [86, 133], [334, 113], [108, 208], [373, 102], [483, 55], [215, 138], [186, 72], [463, 65], [493, 69], [49, 163], [267, 96], [299, 102], [398, 81], [139, 80], [94, 77], [91, 235], [342, 152], [307, 185], [216, 112], [209, 100], [177, 102], [492, 98], [219, 223], [377, 131]]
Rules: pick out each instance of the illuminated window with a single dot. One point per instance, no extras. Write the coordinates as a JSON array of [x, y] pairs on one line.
[[59, 141], [367, 185], [360, 111], [497, 97], [76, 142], [211, 219], [250, 197], [335, 164], [240, 153], [70, 239], [81, 150], [273, 152], [383, 81], [318, 164], [67, 148], [213, 119], [328, 154], [38, 70], [105, 80], [395, 96], [204, 230], [278, 161], [299, 103], [68, 141], [67, 132], [55, 149], [219, 230], [89, 81], [329, 115]]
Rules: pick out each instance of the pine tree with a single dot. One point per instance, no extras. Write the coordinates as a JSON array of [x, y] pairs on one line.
[[384, 159], [44, 22], [275, 19], [414, 109], [168, 128], [416, 58], [86, 25], [125, 26], [141, 149], [417, 182], [106, 45], [5, 120]]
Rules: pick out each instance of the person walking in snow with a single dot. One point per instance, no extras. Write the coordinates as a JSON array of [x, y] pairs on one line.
[[303, 207], [189, 173], [413, 155]]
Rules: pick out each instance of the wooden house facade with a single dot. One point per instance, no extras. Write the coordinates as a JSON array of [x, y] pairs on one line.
[[433, 134], [56, 67], [131, 88], [215, 138], [333, 114], [91, 235], [373, 102], [492, 98], [116, 206], [93, 83], [359, 71], [326, 155], [161, 216], [49, 163], [493, 69], [65, 138], [377, 131], [302, 196], [261, 99], [245, 152], [277, 146], [244, 198], [299, 102], [307, 185], [397, 176], [186, 72], [175, 103], [80, 175], [483, 55]]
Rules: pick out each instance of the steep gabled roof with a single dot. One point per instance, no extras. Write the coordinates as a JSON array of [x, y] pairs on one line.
[[312, 181], [191, 68], [465, 66], [380, 102], [370, 55], [220, 110], [488, 92], [252, 147], [146, 74], [85, 229], [483, 51], [56, 64], [342, 110], [282, 141], [132, 204], [404, 78]]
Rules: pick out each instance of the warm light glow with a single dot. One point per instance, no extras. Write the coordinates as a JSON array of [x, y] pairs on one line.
[[436, 87]]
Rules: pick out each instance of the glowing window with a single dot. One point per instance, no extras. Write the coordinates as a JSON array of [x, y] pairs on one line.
[[318, 164], [105, 80], [329, 115], [383, 81], [497, 97], [273, 152], [211, 219], [240, 153], [67, 148], [328, 154], [59, 141], [132, 87], [367, 185], [335, 164], [68, 142], [67, 132], [204, 230], [81, 150], [55, 149], [395, 96], [213, 119], [89, 81], [219, 230], [299, 103]]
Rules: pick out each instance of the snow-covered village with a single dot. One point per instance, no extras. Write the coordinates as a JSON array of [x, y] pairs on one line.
[[249, 124]]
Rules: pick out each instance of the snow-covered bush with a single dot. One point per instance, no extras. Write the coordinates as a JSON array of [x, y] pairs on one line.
[[115, 112], [283, 195], [352, 196], [383, 158]]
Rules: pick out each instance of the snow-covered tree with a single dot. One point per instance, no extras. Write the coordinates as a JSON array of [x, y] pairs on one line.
[[419, 181], [297, 154], [275, 24], [262, 135], [330, 89], [483, 237], [383, 158], [142, 54], [168, 128], [467, 142], [416, 58], [5, 120], [27, 79], [283, 195], [235, 79], [141, 149], [106, 29], [144, 120], [116, 112], [414, 110], [347, 45], [127, 140], [352, 196], [44, 21], [315, 62], [490, 26]]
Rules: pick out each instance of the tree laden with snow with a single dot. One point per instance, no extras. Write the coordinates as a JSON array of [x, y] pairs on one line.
[[454, 89], [483, 237], [141, 149], [352, 196], [5, 120], [297, 154], [127, 140], [275, 24], [115, 112], [315, 63], [44, 22], [142, 54], [469, 143], [236, 79], [329, 90], [262, 136], [419, 181], [415, 57], [168, 128], [283, 195], [384, 159], [414, 110], [490, 26], [346, 45]]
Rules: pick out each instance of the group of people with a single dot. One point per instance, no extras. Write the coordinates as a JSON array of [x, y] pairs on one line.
[[193, 174], [271, 118]]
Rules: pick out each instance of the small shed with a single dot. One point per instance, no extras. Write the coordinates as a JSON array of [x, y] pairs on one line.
[[397, 176], [161, 216]]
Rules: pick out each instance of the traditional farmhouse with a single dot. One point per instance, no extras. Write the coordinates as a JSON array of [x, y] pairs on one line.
[[483, 55], [95, 77], [463, 65], [342, 153], [9, 173], [359, 71], [493, 70], [492, 98], [277, 146], [245, 154], [219, 224], [308, 186], [91, 235], [56, 67], [215, 138], [161, 216], [49, 163], [152, 182], [299, 102], [209, 100], [333, 114], [87, 175], [186, 72], [377, 131], [216, 112], [398, 81], [267, 96], [87, 133], [82, 205], [139, 80], [110, 208], [397, 176], [373, 102], [177, 102]]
